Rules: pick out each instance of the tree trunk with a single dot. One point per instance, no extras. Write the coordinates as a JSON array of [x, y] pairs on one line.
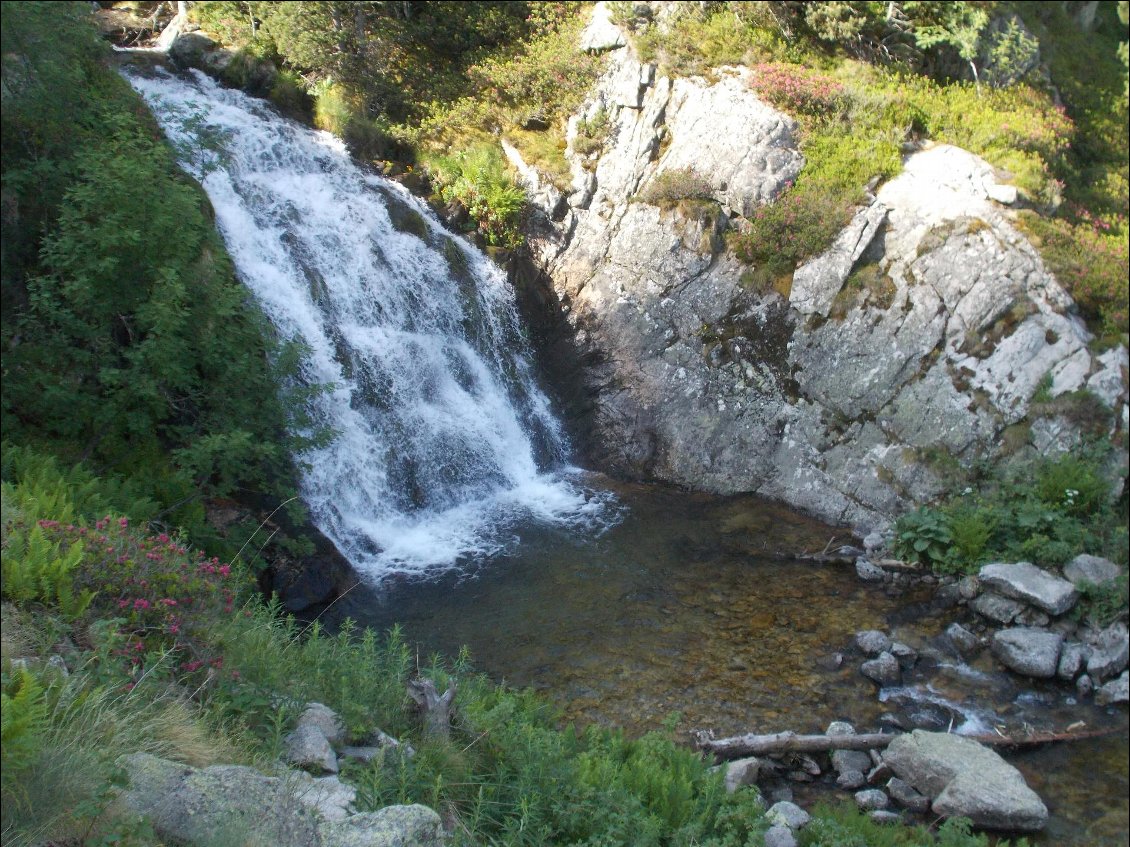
[[789, 742], [435, 707]]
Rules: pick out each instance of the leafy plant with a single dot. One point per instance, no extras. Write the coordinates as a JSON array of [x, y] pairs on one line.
[[923, 536], [478, 181]]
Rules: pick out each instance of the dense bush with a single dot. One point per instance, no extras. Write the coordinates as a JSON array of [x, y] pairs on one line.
[[669, 187], [127, 338], [478, 181]]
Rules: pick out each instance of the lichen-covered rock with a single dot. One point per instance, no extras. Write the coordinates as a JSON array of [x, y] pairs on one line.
[[966, 779], [904, 794], [1025, 581], [779, 836], [1093, 569], [1031, 652], [191, 806], [307, 747], [1072, 659]]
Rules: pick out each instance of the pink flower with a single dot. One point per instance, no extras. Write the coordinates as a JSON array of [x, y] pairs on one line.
[[141, 603], [123, 522]]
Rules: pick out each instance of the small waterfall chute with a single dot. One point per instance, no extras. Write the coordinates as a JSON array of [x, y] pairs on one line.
[[443, 438]]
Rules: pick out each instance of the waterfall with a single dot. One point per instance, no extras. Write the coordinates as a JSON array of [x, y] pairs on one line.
[[442, 440]]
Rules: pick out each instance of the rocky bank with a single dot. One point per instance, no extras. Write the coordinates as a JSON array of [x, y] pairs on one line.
[[924, 333]]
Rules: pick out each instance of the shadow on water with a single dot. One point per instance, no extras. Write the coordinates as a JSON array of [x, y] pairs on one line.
[[690, 605]]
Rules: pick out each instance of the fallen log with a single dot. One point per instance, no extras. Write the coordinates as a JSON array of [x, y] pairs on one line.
[[752, 744]]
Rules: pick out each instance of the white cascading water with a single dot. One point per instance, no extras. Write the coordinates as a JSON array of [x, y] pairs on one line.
[[443, 440]]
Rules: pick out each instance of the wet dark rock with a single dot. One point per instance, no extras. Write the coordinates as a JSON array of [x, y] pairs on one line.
[[1093, 569], [872, 799], [918, 713], [906, 656], [1028, 651], [849, 780], [830, 663], [1084, 686], [872, 642], [947, 596], [964, 641], [969, 587], [879, 774], [883, 670], [904, 794], [1024, 581], [996, 607]]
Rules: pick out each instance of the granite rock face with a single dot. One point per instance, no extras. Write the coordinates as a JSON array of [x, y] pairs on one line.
[[827, 396]]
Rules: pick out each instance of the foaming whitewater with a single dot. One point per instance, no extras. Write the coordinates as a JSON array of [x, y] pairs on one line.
[[442, 439]]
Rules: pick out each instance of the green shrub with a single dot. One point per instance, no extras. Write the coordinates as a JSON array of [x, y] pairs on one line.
[[670, 186], [592, 134], [478, 181]]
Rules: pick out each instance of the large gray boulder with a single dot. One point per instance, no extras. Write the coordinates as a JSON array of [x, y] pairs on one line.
[[1028, 651], [966, 779], [1026, 582], [1093, 569], [191, 806]]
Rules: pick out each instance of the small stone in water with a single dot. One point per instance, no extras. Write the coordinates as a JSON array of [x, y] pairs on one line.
[[884, 670], [872, 642]]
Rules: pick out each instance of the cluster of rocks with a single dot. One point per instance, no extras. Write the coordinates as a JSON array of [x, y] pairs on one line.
[[189, 805], [317, 742], [919, 773], [1022, 614], [888, 659]]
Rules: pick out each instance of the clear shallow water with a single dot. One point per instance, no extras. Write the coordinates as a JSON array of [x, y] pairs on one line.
[[691, 605]]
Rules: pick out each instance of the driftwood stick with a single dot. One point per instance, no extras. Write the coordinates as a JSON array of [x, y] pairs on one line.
[[789, 742]]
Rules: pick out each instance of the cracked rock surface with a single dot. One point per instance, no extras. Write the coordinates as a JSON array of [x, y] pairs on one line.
[[926, 329]]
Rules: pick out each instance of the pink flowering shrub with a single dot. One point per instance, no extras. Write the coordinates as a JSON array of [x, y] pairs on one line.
[[167, 596], [798, 90]]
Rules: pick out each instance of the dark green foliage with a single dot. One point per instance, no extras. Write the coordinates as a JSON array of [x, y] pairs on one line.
[[477, 180], [1047, 513], [846, 826], [127, 339]]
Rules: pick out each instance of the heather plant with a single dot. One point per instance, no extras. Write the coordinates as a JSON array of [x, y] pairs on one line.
[[670, 186]]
